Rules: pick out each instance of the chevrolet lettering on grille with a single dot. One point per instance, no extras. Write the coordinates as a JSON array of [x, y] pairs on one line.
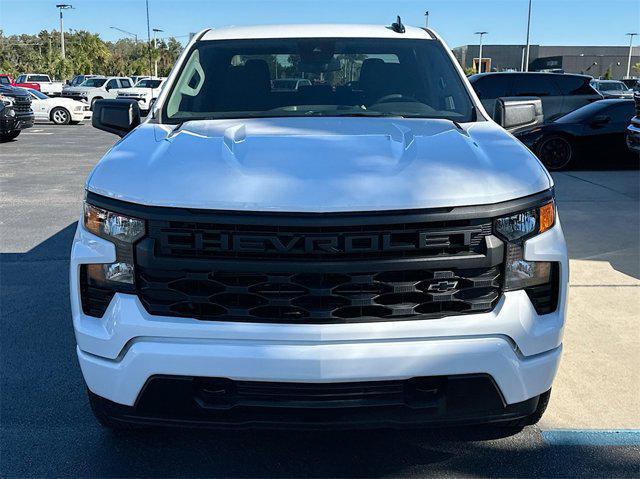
[[318, 244]]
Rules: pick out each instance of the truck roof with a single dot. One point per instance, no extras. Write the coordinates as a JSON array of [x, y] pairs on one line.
[[313, 31]]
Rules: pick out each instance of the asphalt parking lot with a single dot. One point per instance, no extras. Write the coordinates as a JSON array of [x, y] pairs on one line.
[[591, 429]]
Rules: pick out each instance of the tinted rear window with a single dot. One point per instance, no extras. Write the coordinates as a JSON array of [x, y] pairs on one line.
[[531, 84], [37, 78], [492, 86], [572, 85]]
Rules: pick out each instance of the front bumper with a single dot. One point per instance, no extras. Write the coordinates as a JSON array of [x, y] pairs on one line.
[[633, 135], [517, 348], [143, 103], [8, 123]]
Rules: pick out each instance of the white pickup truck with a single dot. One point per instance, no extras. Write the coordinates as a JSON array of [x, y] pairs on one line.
[[47, 86], [97, 88], [371, 250], [145, 92]]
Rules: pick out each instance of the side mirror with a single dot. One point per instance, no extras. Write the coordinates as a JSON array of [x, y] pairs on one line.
[[599, 120], [116, 116], [514, 113]]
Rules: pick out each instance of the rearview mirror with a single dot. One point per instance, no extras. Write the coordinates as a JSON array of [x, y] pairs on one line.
[[516, 113], [116, 116]]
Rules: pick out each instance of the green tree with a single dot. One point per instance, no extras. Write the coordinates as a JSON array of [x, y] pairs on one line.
[[86, 53]]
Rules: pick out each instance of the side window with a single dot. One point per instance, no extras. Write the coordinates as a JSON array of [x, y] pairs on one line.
[[21, 79], [572, 85], [532, 84], [493, 86], [125, 83], [113, 83], [621, 113]]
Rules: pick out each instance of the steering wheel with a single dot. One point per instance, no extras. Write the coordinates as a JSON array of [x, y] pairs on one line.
[[394, 97]]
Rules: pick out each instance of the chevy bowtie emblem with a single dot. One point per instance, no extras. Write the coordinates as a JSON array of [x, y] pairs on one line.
[[442, 286]]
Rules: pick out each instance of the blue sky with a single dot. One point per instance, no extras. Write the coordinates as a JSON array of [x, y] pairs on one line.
[[554, 22]]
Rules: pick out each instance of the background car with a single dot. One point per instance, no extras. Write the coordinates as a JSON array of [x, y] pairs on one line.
[[77, 80], [18, 114], [560, 93], [612, 88], [289, 84], [97, 88], [60, 111], [136, 78], [595, 131], [7, 80], [145, 92], [47, 85]]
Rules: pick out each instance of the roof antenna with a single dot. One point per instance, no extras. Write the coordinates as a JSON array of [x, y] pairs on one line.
[[398, 27]]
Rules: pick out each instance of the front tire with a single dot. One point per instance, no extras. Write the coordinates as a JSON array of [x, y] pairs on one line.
[[555, 152], [12, 135], [60, 116]]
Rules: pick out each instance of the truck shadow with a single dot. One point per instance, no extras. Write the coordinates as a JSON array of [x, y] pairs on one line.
[[48, 430]]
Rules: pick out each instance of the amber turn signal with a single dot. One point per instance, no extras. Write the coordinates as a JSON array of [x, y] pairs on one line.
[[547, 216]]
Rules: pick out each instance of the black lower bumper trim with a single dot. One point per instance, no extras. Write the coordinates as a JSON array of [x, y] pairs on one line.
[[224, 404]]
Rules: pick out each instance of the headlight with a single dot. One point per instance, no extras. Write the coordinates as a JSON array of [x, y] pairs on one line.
[[516, 229], [121, 230], [6, 100]]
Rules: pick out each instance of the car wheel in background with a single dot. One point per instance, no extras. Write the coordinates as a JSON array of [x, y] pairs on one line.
[[555, 152], [12, 135], [60, 116]]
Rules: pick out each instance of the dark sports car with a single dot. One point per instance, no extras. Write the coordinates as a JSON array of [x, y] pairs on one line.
[[595, 130]]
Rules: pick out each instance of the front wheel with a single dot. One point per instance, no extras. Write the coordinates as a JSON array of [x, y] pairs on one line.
[[12, 135], [60, 116], [555, 152]]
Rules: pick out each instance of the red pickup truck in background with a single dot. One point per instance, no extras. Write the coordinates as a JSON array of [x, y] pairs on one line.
[[6, 79]]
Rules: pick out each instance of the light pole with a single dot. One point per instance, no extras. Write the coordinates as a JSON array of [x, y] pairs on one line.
[[155, 64], [631, 35], [62, 6], [480, 52], [126, 32], [526, 59], [426, 21], [149, 38]]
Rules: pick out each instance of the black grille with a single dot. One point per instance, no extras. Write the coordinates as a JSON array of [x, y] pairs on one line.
[[318, 297], [22, 104], [185, 239], [636, 99], [220, 393]]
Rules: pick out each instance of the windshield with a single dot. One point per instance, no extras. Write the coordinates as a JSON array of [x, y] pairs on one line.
[[38, 94], [4, 81], [94, 82], [148, 84], [613, 86], [77, 80], [318, 77]]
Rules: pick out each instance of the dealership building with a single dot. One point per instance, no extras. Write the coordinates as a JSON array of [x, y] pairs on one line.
[[590, 60]]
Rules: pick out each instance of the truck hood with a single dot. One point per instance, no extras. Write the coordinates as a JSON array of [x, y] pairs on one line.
[[144, 91], [318, 165], [77, 89]]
